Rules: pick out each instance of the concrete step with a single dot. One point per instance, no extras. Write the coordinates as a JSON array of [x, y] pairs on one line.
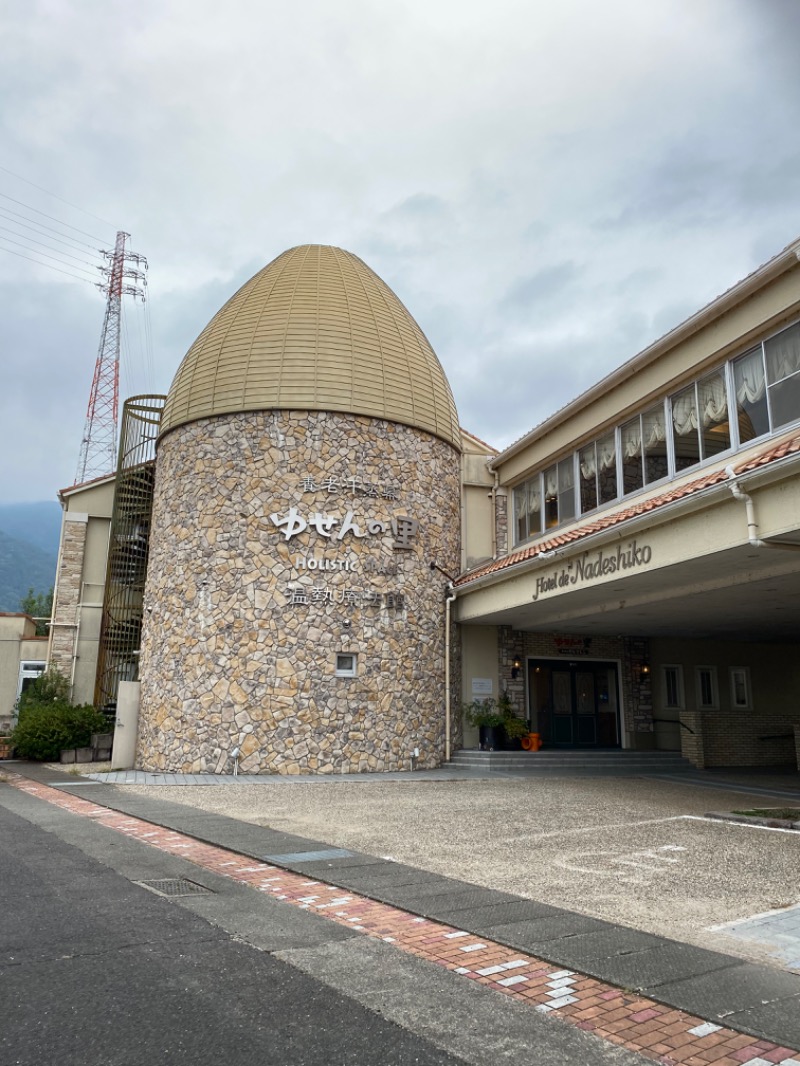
[[611, 761]]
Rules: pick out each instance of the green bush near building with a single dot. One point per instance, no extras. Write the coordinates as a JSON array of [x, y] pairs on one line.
[[48, 723]]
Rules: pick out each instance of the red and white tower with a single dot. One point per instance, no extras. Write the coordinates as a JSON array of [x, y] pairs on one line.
[[126, 275]]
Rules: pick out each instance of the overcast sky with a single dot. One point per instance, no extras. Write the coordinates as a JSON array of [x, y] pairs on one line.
[[548, 187]]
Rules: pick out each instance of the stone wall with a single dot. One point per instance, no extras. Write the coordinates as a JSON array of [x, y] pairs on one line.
[[67, 595], [278, 540], [501, 502]]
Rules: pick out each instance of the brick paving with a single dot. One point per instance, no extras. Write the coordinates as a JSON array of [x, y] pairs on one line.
[[657, 1032]]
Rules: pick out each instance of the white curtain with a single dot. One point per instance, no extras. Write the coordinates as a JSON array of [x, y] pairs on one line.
[[713, 399], [684, 412], [588, 463], [551, 482], [631, 439], [520, 503], [655, 427], [748, 377], [607, 452], [534, 497], [783, 354]]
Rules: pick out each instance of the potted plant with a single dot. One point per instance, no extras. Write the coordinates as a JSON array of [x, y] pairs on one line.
[[515, 729], [486, 716]]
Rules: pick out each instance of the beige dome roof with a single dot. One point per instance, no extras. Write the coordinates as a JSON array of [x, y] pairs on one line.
[[315, 330]]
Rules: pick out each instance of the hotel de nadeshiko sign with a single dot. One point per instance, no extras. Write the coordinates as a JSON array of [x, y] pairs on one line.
[[590, 567]]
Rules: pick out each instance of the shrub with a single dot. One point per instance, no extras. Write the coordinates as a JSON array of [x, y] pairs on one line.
[[45, 729], [49, 687]]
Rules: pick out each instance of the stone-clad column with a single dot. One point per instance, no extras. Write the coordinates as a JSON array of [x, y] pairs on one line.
[[67, 594]]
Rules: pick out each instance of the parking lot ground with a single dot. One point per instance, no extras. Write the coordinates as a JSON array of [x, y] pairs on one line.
[[633, 850]]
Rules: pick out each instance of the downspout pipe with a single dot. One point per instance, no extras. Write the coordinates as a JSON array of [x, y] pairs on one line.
[[750, 510], [450, 595], [493, 495]]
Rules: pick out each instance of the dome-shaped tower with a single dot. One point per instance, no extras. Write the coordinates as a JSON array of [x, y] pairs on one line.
[[307, 475]]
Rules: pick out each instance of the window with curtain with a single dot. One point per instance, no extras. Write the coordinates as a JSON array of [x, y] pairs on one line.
[[607, 468], [712, 405], [566, 490], [587, 467], [782, 354], [550, 478], [534, 507], [631, 447], [750, 386], [685, 422], [597, 472], [521, 512], [654, 442], [700, 427]]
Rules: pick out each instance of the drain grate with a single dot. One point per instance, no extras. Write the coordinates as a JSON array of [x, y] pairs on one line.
[[172, 886]]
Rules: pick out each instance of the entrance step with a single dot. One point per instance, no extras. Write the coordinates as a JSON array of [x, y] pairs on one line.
[[571, 761]]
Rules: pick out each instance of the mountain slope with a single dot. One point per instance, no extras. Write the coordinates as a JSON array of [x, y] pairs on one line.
[[29, 535]]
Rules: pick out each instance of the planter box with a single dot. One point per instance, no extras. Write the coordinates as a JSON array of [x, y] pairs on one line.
[[83, 754], [68, 755], [6, 749], [101, 746]]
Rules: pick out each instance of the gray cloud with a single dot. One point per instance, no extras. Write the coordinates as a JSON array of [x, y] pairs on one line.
[[547, 187]]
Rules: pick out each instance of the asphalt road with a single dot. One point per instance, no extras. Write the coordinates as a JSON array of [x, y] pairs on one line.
[[95, 969]]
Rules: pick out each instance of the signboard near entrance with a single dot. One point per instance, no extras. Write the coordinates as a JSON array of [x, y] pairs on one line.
[[482, 686]]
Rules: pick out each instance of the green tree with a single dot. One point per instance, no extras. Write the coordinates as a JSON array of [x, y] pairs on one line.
[[38, 605]]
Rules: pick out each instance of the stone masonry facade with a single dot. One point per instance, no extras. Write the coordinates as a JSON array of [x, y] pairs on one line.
[[280, 542], [64, 629]]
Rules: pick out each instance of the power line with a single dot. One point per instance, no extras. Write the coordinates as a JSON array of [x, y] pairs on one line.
[[21, 256], [51, 217], [43, 245], [5, 211], [41, 189], [46, 256]]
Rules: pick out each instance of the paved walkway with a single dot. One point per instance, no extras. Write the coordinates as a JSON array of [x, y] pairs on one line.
[[691, 1006]]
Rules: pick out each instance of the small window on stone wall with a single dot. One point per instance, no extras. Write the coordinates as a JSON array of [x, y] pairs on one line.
[[346, 663], [740, 686]]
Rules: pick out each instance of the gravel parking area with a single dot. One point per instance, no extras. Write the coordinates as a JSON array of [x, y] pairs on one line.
[[633, 850]]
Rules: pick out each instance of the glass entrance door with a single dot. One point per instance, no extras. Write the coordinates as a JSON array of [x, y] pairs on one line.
[[574, 704]]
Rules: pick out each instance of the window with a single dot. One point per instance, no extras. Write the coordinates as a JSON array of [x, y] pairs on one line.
[[346, 663], [672, 686], [700, 426], [749, 384], [707, 692], [28, 673], [527, 510], [644, 450], [782, 354], [740, 686], [597, 467]]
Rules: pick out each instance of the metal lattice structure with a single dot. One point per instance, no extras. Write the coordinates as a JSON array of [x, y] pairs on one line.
[[121, 629], [99, 443]]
